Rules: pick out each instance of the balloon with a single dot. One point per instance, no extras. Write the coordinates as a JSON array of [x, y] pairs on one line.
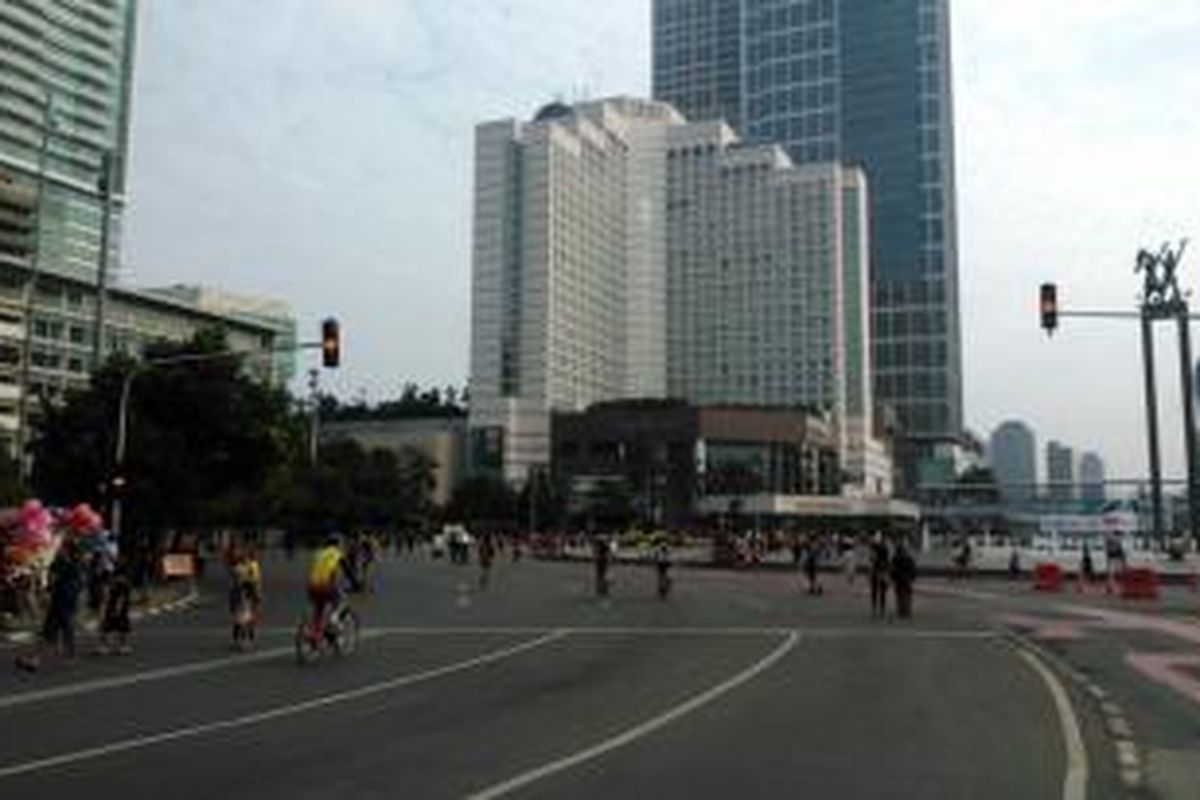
[[82, 519]]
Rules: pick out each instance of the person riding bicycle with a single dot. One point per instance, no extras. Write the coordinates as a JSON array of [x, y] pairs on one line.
[[329, 565]]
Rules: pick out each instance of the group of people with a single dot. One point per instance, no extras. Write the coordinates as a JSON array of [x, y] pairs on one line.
[[105, 579], [891, 566]]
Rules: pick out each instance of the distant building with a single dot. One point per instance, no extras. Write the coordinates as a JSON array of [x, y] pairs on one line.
[[621, 252], [440, 439], [1012, 454], [1091, 479], [864, 83], [1060, 471]]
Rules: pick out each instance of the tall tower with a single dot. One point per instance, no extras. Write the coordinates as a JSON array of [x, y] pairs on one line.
[[866, 83], [66, 70]]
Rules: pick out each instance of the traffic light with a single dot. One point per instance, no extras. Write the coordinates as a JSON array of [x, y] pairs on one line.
[[331, 343], [1049, 307]]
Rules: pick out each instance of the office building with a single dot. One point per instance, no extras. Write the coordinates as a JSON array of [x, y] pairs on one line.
[[568, 271], [1060, 471], [63, 333], [864, 83], [1012, 455], [66, 71], [767, 287], [621, 252], [1091, 479]]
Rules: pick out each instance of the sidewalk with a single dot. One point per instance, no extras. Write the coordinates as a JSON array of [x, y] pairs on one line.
[[161, 600]]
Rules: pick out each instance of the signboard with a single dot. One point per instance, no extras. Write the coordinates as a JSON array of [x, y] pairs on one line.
[[178, 565]]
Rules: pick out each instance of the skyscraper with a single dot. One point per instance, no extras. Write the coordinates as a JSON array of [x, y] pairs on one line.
[[866, 83], [65, 83], [1060, 471], [1091, 479], [1012, 454]]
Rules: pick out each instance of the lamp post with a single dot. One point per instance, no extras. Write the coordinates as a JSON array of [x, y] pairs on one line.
[[30, 293], [104, 186]]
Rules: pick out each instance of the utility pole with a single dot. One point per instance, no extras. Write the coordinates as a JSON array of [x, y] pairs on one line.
[[104, 185], [314, 394], [30, 293], [1156, 501]]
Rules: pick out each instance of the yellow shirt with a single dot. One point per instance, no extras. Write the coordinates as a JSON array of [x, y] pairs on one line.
[[248, 571], [325, 565]]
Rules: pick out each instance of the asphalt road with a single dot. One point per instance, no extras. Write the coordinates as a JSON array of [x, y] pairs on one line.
[[739, 685]]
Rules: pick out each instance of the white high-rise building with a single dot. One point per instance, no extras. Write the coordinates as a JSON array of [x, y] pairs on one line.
[[622, 252], [768, 286], [569, 273]]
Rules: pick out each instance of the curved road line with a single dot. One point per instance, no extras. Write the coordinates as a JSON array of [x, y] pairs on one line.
[[1076, 778], [638, 731], [278, 712]]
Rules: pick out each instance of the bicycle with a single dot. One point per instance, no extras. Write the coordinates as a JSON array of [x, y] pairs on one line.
[[340, 633]]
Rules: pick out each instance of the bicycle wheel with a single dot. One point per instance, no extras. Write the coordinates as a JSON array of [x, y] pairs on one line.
[[346, 641], [307, 646]]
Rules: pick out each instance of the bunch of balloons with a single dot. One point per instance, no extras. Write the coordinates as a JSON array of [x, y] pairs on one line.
[[34, 532]]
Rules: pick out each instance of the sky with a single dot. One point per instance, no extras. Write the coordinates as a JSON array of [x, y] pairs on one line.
[[320, 152]]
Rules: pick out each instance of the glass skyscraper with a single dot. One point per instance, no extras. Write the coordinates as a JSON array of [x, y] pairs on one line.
[[65, 74], [866, 83]]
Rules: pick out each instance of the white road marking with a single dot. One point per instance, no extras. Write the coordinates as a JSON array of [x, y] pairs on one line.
[[278, 712], [147, 676], [639, 731], [1076, 778]]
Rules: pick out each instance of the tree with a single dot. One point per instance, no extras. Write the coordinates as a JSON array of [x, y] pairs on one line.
[[204, 438]]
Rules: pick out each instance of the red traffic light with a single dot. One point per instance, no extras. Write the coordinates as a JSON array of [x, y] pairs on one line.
[[331, 343], [1049, 307]]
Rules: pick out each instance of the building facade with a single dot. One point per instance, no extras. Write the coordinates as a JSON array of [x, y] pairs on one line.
[[442, 440], [1091, 479], [1012, 454], [866, 83], [568, 271], [1060, 471], [621, 252], [671, 456], [66, 71]]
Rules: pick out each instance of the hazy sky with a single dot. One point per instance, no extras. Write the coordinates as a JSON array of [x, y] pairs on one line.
[[320, 151]]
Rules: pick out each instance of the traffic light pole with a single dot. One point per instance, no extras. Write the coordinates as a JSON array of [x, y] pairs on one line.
[[1152, 427], [1189, 422]]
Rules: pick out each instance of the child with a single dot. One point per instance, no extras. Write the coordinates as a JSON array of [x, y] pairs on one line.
[[116, 613]]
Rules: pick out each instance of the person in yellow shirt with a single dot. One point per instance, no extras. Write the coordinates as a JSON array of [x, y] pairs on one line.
[[329, 564], [245, 593]]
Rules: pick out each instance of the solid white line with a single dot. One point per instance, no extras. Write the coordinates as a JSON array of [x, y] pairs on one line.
[[278, 712], [1076, 778], [639, 731]]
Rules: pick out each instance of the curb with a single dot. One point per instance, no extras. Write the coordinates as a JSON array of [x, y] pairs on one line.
[[181, 603], [1128, 757]]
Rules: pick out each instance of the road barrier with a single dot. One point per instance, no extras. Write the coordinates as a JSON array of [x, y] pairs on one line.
[[1047, 577], [1139, 583]]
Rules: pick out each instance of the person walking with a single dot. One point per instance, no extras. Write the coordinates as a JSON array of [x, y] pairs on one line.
[[850, 558], [904, 575], [58, 627], [602, 557], [880, 567], [115, 621], [487, 554], [812, 555]]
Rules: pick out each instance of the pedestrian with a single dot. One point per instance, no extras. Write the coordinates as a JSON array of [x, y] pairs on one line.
[[487, 554], [1087, 569], [797, 551], [115, 622], [602, 557], [904, 575], [1014, 563], [58, 627], [962, 560], [812, 555], [850, 558], [880, 567]]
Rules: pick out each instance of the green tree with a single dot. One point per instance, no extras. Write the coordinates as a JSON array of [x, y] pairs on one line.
[[204, 439]]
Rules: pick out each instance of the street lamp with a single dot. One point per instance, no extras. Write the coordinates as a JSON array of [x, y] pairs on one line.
[[49, 124]]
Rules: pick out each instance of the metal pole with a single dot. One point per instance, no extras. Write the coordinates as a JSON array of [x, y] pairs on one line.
[[30, 292], [105, 187], [1152, 426], [1189, 419], [314, 415], [122, 437]]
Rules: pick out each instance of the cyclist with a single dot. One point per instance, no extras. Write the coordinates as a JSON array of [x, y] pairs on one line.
[[329, 565]]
